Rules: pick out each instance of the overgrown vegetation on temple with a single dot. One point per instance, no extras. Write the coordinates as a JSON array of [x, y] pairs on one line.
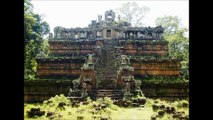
[[103, 68], [175, 34], [59, 107], [34, 31]]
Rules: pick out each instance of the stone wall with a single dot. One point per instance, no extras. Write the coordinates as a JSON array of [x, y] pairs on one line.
[[144, 47], [39, 90], [59, 68], [62, 67], [134, 47], [166, 90], [153, 67], [72, 48]]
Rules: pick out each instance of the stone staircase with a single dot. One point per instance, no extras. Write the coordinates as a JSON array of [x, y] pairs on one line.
[[105, 68], [113, 94], [106, 71]]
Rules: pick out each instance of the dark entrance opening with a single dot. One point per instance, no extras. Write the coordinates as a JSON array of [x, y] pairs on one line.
[[108, 34]]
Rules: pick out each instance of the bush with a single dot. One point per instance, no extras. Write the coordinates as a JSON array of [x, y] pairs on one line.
[[56, 102], [181, 103], [104, 108]]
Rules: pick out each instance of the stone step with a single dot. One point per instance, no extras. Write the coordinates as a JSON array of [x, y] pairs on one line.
[[110, 96], [108, 70], [105, 72], [111, 71], [104, 90], [105, 68], [107, 93], [114, 94], [109, 76], [106, 81]]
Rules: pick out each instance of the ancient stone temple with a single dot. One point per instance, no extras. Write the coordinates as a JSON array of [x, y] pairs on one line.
[[107, 57]]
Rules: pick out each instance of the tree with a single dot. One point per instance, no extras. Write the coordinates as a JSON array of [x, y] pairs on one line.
[[34, 30], [178, 42], [170, 23], [132, 13]]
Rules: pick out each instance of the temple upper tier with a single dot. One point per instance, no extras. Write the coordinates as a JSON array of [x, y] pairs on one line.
[[107, 29]]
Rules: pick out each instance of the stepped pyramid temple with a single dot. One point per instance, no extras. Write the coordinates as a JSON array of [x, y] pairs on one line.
[[108, 58]]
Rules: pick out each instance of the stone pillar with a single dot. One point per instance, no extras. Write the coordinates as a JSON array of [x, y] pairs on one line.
[[138, 34], [73, 35], [131, 35], [76, 35], [157, 35], [86, 35], [160, 35], [67, 35], [79, 35], [143, 35], [154, 35]]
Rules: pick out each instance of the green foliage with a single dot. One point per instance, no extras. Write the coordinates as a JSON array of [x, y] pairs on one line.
[[45, 47], [178, 42], [108, 102], [53, 102], [170, 23], [51, 105], [179, 48], [107, 109], [132, 13], [34, 31], [181, 103]]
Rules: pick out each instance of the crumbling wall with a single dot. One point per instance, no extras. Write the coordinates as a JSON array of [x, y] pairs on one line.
[[39, 90]]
